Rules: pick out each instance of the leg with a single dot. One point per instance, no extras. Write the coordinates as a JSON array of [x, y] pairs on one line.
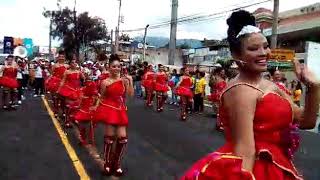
[[196, 102], [83, 133], [163, 100], [183, 108], [109, 140], [5, 98], [14, 97], [201, 104], [122, 140], [159, 97], [41, 86], [91, 133]]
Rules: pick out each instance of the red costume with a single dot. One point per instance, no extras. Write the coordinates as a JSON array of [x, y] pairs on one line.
[[161, 83], [283, 88], [148, 80], [184, 88], [9, 78], [217, 90], [88, 99], [71, 87], [102, 77], [53, 82], [112, 109], [274, 143]]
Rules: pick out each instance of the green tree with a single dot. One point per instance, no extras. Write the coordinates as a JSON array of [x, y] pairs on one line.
[[81, 32], [124, 37]]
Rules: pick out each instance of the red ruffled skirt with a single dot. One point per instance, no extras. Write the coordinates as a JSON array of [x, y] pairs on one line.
[[52, 84], [214, 97], [161, 87], [148, 84], [271, 163], [84, 113], [69, 92], [9, 82], [183, 91], [111, 112]]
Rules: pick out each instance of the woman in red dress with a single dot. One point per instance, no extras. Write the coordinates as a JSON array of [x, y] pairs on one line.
[[161, 87], [276, 78], [183, 89], [257, 116], [112, 111], [217, 87], [69, 90], [148, 83], [9, 82], [82, 116], [53, 82]]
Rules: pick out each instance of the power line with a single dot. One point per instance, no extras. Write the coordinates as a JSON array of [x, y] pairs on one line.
[[193, 19]]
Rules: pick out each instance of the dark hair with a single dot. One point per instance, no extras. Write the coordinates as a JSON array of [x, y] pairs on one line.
[[272, 71], [10, 56], [218, 70], [114, 57], [299, 86], [236, 22], [182, 70], [61, 52], [202, 74]]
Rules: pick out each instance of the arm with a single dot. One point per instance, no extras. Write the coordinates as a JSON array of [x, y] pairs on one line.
[[241, 119], [63, 80], [129, 85]]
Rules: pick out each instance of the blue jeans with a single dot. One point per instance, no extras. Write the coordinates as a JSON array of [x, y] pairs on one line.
[[138, 89], [174, 97]]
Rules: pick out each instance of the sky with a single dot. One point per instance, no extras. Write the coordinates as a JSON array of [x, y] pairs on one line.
[[23, 18]]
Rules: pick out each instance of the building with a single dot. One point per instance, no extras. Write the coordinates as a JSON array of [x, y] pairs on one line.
[[296, 26]]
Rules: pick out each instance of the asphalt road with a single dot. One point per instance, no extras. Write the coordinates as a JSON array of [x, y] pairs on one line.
[[160, 146]]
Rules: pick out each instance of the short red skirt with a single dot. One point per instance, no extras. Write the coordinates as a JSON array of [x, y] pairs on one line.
[[161, 87], [148, 84], [110, 114], [214, 97], [83, 115], [9, 82], [69, 93], [52, 84], [183, 91]]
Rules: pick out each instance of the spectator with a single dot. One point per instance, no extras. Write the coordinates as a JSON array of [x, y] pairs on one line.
[[199, 92]]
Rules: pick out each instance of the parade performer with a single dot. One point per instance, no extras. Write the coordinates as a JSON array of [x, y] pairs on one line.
[[183, 89], [217, 87], [161, 87], [53, 82], [69, 90], [259, 139], [276, 78], [9, 82], [148, 83], [83, 115], [112, 111]]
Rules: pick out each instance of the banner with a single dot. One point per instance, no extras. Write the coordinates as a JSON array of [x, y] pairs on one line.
[[282, 55], [28, 44], [8, 45]]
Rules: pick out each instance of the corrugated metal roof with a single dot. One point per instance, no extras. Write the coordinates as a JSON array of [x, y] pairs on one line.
[[298, 26]]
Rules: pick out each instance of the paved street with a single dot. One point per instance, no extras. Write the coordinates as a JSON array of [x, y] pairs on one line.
[[160, 147]]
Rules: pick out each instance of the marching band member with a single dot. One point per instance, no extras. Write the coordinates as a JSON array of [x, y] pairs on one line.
[[161, 87], [9, 82], [183, 89], [112, 111], [148, 83]]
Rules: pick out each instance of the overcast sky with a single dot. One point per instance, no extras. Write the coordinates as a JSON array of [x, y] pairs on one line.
[[23, 18]]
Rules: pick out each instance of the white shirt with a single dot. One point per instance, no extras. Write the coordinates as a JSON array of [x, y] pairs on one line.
[[38, 72]]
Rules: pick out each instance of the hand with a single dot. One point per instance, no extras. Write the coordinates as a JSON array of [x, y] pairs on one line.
[[304, 74]]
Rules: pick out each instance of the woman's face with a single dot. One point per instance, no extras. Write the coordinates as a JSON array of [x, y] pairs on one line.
[[73, 64], [9, 60], [277, 76], [222, 73], [61, 57], [115, 67], [187, 72], [254, 52]]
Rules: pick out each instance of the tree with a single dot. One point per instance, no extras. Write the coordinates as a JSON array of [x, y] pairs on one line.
[[124, 37], [80, 34], [184, 46]]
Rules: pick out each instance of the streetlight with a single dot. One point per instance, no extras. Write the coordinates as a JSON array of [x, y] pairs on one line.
[[144, 42]]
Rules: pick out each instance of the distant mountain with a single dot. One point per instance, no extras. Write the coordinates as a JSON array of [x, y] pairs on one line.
[[163, 41]]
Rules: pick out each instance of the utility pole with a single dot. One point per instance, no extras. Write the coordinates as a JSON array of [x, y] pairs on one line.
[[173, 32], [75, 29], [145, 42], [112, 46], [50, 30], [117, 30], [274, 35]]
